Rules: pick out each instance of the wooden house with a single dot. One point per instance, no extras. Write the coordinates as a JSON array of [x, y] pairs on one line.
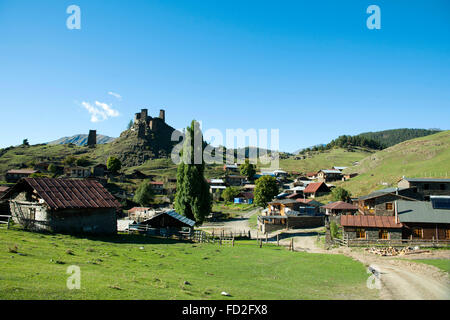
[[339, 208], [235, 180], [77, 172], [316, 189], [329, 175], [357, 227], [428, 220], [12, 176], [157, 187], [426, 186], [381, 202], [63, 205], [168, 222]]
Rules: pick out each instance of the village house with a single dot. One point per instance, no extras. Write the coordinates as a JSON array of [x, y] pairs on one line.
[[357, 227], [235, 181], [166, 223], [311, 175], [140, 213], [62, 205], [216, 185], [288, 213], [12, 176], [77, 172], [329, 175], [3, 190], [316, 189], [157, 187], [248, 187], [244, 197], [339, 208], [429, 220], [348, 176], [137, 174], [100, 170], [426, 186], [231, 168], [381, 202]]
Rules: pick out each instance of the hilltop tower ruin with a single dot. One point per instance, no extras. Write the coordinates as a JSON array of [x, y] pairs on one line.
[[145, 124], [92, 138]]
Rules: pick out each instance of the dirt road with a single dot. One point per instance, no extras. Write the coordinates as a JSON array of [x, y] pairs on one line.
[[400, 279], [235, 224]]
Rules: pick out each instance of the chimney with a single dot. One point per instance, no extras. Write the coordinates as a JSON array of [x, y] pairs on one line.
[[162, 115]]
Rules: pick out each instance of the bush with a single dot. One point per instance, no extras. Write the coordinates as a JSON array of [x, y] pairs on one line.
[[335, 231], [230, 193]]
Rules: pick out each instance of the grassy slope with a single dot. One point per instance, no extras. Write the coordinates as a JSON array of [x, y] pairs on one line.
[[422, 157], [119, 269], [323, 160], [443, 264]]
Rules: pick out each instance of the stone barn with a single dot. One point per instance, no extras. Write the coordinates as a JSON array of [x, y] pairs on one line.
[[63, 205]]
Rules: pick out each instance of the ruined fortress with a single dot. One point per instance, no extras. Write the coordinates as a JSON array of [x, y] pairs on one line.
[[145, 124]]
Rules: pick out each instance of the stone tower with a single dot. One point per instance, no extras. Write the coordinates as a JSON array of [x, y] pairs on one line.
[[92, 138], [162, 115]]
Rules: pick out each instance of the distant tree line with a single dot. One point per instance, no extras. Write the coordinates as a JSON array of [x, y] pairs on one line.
[[373, 140]]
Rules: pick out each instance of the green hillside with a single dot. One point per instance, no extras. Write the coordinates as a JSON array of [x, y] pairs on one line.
[[388, 138], [421, 157], [315, 161]]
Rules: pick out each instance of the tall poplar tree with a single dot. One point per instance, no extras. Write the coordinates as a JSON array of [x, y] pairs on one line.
[[193, 198]]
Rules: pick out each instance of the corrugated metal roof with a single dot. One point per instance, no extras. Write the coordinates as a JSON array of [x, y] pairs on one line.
[[426, 180], [181, 218], [313, 187], [421, 211], [71, 194], [330, 171], [340, 205], [370, 222], [22, 171]]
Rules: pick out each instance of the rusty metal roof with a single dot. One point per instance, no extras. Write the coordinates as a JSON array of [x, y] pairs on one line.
[[340, 205], [313, 187], [72, 194], [370, 221]]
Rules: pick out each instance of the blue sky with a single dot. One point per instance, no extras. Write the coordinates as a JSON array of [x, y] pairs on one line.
[[311, 69]]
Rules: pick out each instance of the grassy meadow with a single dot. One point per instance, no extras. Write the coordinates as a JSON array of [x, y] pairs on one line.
[[34, 266]]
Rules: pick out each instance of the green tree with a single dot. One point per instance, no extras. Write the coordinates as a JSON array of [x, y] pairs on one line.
[[340, 194], [230, 193], [69, 160], [193, 198], [113, 164], [130, 124], [25, 142], [144, 194], [266, 189], [82, 161], [248, 169], [52, 168]]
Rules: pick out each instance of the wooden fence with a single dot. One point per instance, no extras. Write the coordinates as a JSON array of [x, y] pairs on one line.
[[391, 243], [7, 222]]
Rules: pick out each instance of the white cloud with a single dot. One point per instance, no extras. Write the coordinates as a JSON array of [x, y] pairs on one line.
[[118, 96], [100, 111]]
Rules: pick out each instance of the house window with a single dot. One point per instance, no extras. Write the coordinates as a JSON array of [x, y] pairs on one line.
[[32, 213], [442, 186], [360, 233], [417, 233], [383, 234], [389, 206], [426, 186]]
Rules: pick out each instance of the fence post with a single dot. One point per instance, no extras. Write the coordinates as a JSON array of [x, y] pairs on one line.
[[292, 244], [7, 227], [278, 240], [233, 242]]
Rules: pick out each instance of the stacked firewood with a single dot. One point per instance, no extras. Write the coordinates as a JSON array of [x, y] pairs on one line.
[[391, 251]]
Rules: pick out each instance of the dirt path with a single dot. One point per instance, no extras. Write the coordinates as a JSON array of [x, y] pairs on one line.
[[235, 224]]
